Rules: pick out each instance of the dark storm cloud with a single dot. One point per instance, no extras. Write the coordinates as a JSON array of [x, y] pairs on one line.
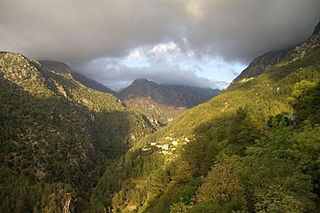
[[78, 31], [244, 29], [81, 30]]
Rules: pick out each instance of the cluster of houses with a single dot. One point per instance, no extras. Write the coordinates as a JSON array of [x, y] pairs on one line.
[[246, 80], [171, 144]]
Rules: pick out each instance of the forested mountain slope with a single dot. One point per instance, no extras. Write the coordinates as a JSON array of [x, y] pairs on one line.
[[253, 148], [57, 137]]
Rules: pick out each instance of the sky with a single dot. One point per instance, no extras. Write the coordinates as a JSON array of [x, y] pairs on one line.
[[204, 43]]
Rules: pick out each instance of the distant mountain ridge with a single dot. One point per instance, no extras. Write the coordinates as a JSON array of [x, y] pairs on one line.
[[172, 95], [162, 103]]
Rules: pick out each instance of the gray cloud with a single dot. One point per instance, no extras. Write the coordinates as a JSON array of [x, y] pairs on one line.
[[117, 76], [78, 31], [245, 29], [82, 30]]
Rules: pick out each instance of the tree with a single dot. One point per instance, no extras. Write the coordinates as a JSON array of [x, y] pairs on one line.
[[223, 184], [305, 100]]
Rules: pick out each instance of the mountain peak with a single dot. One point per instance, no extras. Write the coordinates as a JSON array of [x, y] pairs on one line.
[[142, 81], [173, 95]]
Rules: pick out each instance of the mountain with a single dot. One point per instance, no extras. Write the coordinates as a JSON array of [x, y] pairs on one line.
[[57, 136], [171, 95], [252, 148], [162, 102], [159, 102], [63, 68], [259, 64]]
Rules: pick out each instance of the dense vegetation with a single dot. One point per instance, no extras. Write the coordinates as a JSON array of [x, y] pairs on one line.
[[57, 137], [253, 148]]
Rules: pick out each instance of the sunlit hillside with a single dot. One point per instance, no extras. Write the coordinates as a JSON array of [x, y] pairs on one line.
[[252, 148]]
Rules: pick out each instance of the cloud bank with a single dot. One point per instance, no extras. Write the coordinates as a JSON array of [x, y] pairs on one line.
[[164, 63], [79, 31]]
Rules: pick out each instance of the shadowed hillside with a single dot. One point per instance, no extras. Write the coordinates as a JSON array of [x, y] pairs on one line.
[[57, 136]]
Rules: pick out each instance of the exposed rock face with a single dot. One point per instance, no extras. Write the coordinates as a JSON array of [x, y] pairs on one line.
[[171, 95], [259, 64], [67, 201], [311, 45]]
